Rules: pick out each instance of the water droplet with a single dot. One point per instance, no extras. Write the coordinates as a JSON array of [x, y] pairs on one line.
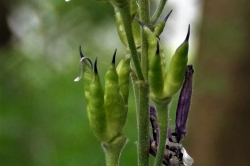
[[77, 79], [67, 0]]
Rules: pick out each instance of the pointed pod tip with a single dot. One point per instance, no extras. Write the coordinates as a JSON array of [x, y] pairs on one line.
[[141, 23], [95, 67], [166, 18], [188, 34], [114, 56], [190, 69], [80, 50], [158, 49]]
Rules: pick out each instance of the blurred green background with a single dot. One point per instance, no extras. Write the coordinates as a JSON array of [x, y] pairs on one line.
[[42, 113]]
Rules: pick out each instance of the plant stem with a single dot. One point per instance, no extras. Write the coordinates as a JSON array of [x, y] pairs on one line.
[[142, 120], [143, 125], [113, 150], [162, 110], [143, 111], [158, 11], [127, 22]]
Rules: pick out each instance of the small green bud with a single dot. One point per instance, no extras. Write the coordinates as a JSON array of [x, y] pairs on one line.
[[158, 29], [177, 68]]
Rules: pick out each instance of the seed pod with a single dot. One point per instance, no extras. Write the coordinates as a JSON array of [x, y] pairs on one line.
[[158, 29], [113, 101], [120, 27], [151, 39], [156, 75], [135, 25], [177, 68], [133, 8], [136, 33], [86, 72], [95, 109], [123, 71]]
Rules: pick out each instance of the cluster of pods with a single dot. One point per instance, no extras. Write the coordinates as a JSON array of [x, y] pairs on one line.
[[163, 83], [107, 108], [107, 112]]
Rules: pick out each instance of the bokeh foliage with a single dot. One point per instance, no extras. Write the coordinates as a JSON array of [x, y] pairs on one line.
[[43, 119]]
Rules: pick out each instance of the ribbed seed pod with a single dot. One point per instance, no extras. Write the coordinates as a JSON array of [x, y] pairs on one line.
[[95, 109], [123, 71], [156, 75], [177, 68], [113, 101], [158, 29], [121, 30], [120, 27]]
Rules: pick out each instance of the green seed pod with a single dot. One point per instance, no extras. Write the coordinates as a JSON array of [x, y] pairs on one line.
[[156, 75], [133, 8], [87, 73], [158, 29], [121, 30], [95, 109], [136, 32], [151, 39], [177, 68], [113, 101], [120, 27], [123, 71]]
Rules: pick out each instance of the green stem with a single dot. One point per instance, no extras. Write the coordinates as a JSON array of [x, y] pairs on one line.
[[113, 150], [143, 125], [127, 22], [158, 11], [143, 111], [162, 110]]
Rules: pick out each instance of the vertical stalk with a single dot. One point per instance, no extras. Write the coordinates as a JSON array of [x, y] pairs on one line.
[[113, 150], [127, 22], [162, 110], [141, 71], [143, 124], [143, 112]]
